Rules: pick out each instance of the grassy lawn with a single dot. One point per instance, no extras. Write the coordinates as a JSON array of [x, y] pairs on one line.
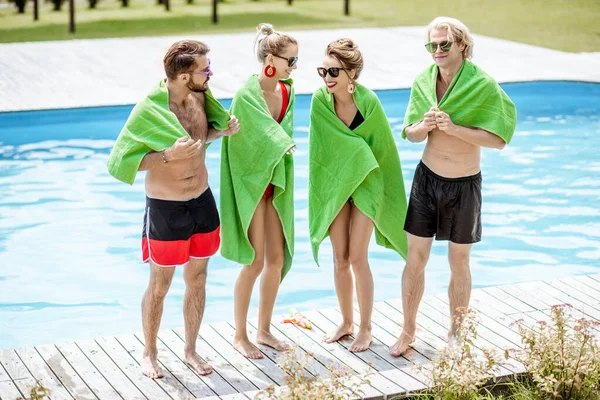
[[568, 25]]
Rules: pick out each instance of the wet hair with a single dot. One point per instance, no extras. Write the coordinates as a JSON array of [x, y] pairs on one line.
[[457, 32], [181, 56], [269, 41], [347, 53]]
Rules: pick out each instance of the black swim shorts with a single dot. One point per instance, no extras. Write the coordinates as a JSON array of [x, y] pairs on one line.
[[447, 208]]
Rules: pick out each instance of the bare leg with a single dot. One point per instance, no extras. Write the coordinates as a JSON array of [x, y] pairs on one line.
[[413, 285], [459, 291], [339, 233], [152, 309], [245, 284], [271, 278], [360, 234], [194, 275]]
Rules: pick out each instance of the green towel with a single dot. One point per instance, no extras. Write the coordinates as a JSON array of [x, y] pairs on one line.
[[362, 163], [250, 160], [152, 126], [473, 99]]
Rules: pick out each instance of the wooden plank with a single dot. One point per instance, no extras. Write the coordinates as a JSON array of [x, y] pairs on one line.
[[271, 353], [40, 371], [486, 330], [566, 298], [313, 367], [370, 358], [8, 391], [13, 365], [541, 301], [422, 345], [432, 319], [169, 383], [595, 277], [65, 372], [507, 305], [486, 333], [509, 337], [409, 379], [339, 356], [255, 375], [578, 290], [432, 332], [113, 374], [265, 364], [200, 385], [88, 373], [3, 374], [24, 386], [225, 373], [320, 354], [131, 368], [516, 304], [234, 396], [589, 282]]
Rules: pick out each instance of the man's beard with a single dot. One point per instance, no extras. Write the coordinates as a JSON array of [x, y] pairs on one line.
[[194, 87]]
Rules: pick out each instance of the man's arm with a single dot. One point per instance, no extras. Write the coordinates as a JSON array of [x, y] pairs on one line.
[[214, 134], [416, 133], [476, 136], [151, 161], [184, 147], [479, 137]]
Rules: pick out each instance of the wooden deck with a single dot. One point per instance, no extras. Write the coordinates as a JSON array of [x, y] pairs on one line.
[[108, 368]]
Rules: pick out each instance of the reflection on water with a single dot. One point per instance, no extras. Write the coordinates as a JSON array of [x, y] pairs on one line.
[[70, 233]]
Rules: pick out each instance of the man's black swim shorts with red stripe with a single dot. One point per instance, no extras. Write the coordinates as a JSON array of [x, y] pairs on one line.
[[175, 231]]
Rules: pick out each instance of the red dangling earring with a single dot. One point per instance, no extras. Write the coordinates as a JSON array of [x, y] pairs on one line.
[[270, 71]]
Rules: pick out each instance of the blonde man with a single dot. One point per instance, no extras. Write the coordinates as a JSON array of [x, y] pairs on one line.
[[459, 109]]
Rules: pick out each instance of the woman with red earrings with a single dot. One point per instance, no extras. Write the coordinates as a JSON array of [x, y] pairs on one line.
[[257, 186], [355, 184]]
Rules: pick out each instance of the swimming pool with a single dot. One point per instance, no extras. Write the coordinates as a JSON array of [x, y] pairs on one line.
[[70, 233]]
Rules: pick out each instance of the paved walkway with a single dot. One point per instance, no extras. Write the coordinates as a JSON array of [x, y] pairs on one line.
[[81, 73]]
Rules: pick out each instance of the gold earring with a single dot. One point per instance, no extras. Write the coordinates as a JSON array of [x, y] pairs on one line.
[[351, 87]]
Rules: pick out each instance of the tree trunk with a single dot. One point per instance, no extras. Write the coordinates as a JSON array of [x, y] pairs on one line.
[[21, 6]]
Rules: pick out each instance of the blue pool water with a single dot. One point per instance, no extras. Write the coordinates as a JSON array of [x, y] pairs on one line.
[[70, 234]]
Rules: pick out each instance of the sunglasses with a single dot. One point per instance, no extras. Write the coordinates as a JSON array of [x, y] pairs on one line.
[[206, 71], [444, 46], [334, 72], [291, 60]]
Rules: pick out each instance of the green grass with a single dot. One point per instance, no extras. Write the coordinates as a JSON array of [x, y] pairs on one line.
[[568, 25]]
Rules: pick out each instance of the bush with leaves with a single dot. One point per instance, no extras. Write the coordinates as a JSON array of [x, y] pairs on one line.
[[457, 372], [341, 384], [562, 357]]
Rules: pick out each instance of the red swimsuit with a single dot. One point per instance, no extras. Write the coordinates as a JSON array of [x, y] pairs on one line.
[[284, 106]]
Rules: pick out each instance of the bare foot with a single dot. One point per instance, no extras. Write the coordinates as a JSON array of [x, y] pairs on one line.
[[340, 332], [362, 341], [267, 339], [200, 366], [150, 367], [405, 341], [247, 349]]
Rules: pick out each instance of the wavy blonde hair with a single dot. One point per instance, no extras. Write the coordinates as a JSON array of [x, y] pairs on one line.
[[457, 32]]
